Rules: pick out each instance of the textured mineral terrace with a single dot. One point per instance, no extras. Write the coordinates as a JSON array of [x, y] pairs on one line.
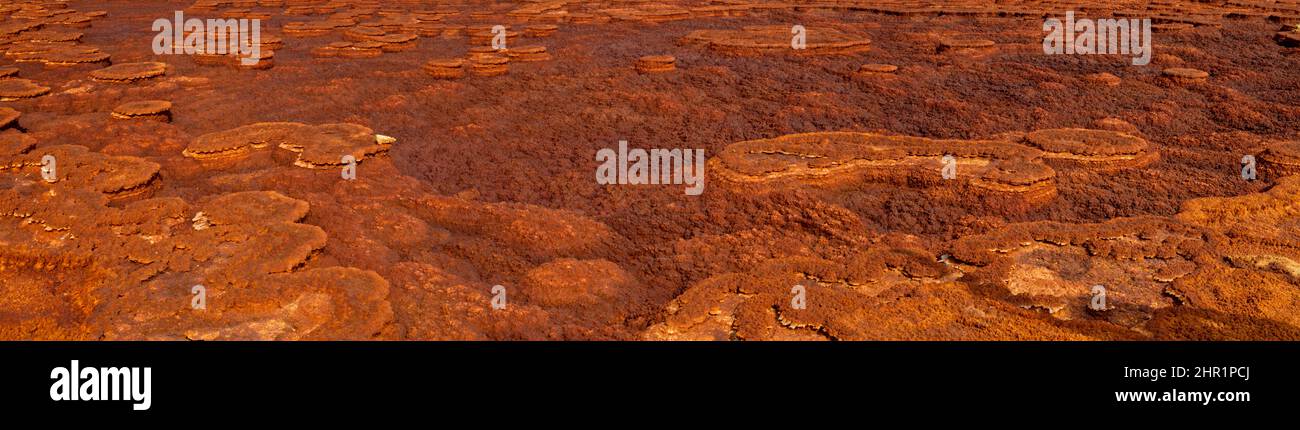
[[920, 169]]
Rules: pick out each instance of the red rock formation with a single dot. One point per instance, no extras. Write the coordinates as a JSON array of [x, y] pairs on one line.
[[995, 168], [320, 146], [155, 110], [1097, 149], [17, 88], [777, 39], [8, 117], [446, 68], [78, 168], [1185, 75], [1262, 249], [1055, 266], [656, 64], [1281, 159], [976, 47], [129, 72], [872, 295]]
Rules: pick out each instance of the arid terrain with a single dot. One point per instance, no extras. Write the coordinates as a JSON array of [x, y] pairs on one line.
[[405, 170]]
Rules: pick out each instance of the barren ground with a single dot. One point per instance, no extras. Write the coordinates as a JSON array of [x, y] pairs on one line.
[[819, 174]]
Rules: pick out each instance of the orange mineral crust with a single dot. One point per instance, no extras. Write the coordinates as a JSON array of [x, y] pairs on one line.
[[769, 39], [853, 170]]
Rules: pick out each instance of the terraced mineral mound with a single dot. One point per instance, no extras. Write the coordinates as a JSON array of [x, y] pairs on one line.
[[779, 39], [668, 170]]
